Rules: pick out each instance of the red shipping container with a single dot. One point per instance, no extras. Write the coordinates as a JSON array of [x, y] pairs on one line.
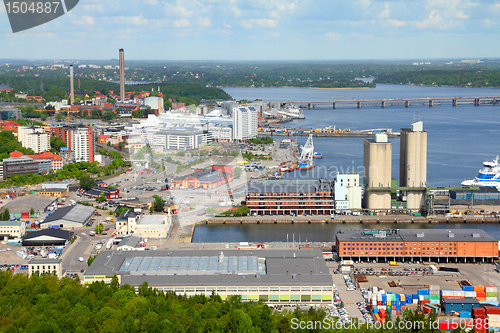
[[393, 307], [480, 294], [478, 313], [447, 326], [425, 301], [398, 313], [480, 325], [403, 307], [492, 309], [427, 309]]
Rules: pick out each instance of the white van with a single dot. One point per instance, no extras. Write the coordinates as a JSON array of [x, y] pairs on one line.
[[80, 259]]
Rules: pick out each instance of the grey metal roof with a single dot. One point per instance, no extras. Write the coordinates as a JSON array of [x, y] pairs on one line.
[[23, 204], [131, 240], [11, 223], [76, 214], [44, 261], [460, 301], [283, 267], [289, 186], [417, 235]]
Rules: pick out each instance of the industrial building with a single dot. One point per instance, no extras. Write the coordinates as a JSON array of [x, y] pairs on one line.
[[21, 206], [23, 165], [69, 217], [204, 178], [271, 276], [290, 197], [377, 157], [347, 192], [42, 266], [109, 193], [457, 245], [48, 237], [146, 226], [12, 229], [413, 164]]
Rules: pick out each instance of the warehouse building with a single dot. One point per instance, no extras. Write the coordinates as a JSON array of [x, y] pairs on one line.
[[458, 245], [272, 276], [48, 237], [69, 217], [290, 197]]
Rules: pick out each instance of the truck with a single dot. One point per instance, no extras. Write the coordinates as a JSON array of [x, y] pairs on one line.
[[393, 263], [92, 233]]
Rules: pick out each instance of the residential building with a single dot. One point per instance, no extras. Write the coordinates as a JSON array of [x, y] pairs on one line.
[[82, 144], [441, 245], [245, 123], [38, 142], [23, 131], [12, 229], [270, 276], [64, 133], [290, 197], [5, 88], [10, 113], [56, 161]]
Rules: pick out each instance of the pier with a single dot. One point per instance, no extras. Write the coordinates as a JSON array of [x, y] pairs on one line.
[[406, 102]]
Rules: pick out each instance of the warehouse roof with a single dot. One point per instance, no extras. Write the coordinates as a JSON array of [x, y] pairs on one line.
[[416, 235], [460, 301], [76, 214], [24, 204], [208, 267]]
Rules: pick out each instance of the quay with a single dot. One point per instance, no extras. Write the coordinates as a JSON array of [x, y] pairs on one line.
[[285, 131], [349, 219], [454, 101]]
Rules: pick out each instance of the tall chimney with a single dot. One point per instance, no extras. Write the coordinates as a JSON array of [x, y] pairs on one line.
[[71, 88], [122, 75]]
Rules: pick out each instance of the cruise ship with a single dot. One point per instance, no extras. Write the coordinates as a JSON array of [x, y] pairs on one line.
[[488, 176]]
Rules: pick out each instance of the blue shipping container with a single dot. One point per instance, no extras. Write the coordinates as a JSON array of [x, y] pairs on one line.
[[468, 288], [423, 292], [384, 297], [375, 310], [465, 314]]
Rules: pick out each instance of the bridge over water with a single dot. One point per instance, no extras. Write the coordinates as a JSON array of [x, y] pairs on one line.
[[407, 102]]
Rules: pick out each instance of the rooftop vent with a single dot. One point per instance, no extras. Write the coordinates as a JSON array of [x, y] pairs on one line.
[[476, 235], [420, 235], [451, 234]]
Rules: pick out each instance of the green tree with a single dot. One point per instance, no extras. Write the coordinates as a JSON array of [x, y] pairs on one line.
[[32, 211], [86, 182], [6, 215], [237, 172], [99, 228], [159, 204], [43, 116], [59, 116]]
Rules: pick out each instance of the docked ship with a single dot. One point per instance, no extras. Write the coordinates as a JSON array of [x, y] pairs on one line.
[[488, 176], [307, 155], [318, 155]]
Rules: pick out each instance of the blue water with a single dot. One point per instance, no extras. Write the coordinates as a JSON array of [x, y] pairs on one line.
[[225, 233], [459, 140]]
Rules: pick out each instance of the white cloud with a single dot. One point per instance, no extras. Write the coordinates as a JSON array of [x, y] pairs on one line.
[[386, 12], [84, 20], [434, 20], [205, 22], [262, 23], [395, 23], [332, 36], [182, 23], [177, 10], [151, 2]]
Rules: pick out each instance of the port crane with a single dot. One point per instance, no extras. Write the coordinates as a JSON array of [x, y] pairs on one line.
[[307, 154]]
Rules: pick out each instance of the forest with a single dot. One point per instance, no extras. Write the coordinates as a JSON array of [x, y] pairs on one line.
[[455, 78], [47, 304]]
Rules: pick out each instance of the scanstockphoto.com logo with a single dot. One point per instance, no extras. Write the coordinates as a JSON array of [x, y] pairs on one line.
[[25, 15]]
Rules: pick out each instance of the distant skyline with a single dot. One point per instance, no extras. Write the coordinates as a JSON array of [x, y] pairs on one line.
[[262, 30]]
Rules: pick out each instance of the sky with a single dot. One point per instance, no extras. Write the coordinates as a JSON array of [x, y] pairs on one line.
[[262, 30]]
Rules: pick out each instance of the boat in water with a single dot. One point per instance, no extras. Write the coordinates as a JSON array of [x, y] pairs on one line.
[[488, 176], [318, 155], [307, 155]]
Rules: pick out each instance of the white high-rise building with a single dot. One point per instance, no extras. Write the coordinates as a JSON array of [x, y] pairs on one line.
[[82, 145], [245, 123], [38, 142], [23, 131]]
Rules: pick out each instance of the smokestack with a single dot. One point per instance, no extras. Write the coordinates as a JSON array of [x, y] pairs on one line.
[[71, 88], [122, 75]]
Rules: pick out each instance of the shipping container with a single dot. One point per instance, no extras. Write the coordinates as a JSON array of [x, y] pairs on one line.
[[465, 314], [468, 288], [492, 310]]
